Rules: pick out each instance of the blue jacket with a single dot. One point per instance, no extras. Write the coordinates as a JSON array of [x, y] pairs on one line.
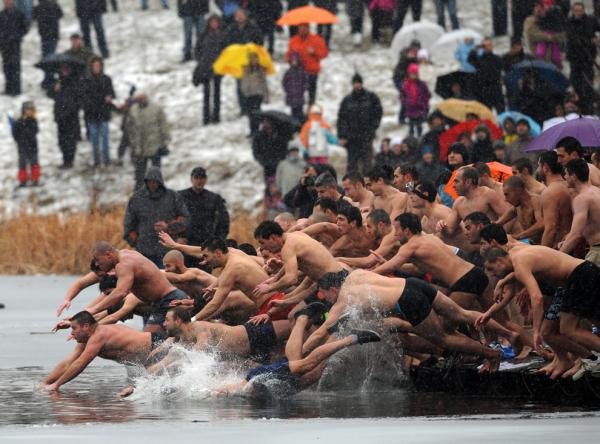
[[462, 54]]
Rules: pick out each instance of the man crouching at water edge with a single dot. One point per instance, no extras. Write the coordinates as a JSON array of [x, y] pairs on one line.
[[115, 342], [138, 275]]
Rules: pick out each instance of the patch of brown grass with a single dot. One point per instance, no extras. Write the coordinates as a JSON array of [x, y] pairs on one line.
[[60, 244]]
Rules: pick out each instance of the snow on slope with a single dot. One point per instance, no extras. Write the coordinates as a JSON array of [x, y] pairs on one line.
[[145, 49]]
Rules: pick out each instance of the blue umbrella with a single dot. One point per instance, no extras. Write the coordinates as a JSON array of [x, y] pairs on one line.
[[536, 130], [546, 72], [584, 129]]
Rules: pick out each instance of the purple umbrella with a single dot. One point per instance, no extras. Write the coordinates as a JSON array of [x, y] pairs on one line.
[[584, 129]]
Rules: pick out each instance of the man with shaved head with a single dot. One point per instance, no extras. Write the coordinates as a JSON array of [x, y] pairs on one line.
[[526, 207]]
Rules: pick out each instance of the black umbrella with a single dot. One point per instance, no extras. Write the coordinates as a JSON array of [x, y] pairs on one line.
[[281, 119], [443, 84], [53, 62]]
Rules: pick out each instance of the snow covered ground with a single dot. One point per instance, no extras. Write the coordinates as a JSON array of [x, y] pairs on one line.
[[146, 48]]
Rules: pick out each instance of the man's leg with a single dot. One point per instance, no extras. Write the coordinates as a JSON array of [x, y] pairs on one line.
[[84, 24], [312, 88], [206, 99], [99, 27], [293, 348], [48, 48], [569, 326], [499, 17], [14, 70], [94, 130], [140, 170], [439, 9], [452, 13], [416, 7], [401, 11], [216, 113], [105, 146], [188, 22], [318, 355]]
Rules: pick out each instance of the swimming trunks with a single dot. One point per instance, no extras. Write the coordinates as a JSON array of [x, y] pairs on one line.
[[475, 281], [333, 279], [281, 314], [262, 339], [553, 311], [415, 302], [157, 338], [160, 307], [582, 297], [593, 255], [279, 370]]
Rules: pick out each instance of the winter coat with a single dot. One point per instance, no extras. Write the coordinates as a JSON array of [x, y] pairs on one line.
[[509, 60], [432, 139], [147, 129], [145, 208], [13, 27], [330, 5], [89, 8], [400, 69], [295, 84], [192, 8], [301, 200], [208, 49], [429, 172], [355, 8], [359, 116], [269, 148], [68, 100], [249, 33], [254, 82], [488, 66], [462, 56], [415, 98], [288, 173], [24, 131], [580, 48], [316, 136], [95, 89], [208, 215], [48, 14], [311, 62], [535, 35], [265, 13], [482, 151]]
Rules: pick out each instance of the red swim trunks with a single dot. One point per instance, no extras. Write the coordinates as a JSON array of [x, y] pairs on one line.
[[281, 314]]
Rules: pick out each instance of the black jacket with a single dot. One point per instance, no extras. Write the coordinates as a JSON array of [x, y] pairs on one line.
[[95, 89], [191, 8], [13, 27], [89, 8], [580, 49], [301, 199], [67, 100], [250, 33], [488, 66], [208, 215], [25, 132], [265, 13], [269, 148], [359, 115], [48, 14], [208, 49]]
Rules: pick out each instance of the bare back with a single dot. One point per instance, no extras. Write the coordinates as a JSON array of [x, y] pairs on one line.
[[314, 259], [481, 201], [245, 274], [149, 283], [556, 205], [544, 263], [367, 290], [121, 343]]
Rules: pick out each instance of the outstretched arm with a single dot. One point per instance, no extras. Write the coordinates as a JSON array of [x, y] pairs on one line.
[[167, 241], [125, 278], [63, 365], [402, 257], [319, 336], [225, 286], [83, 282], [289, 275], [91, 350], [128, 307]]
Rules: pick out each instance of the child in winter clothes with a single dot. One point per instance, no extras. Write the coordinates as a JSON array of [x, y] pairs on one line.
[[316, 136], [295, 85], [415, 96], [24, 132]]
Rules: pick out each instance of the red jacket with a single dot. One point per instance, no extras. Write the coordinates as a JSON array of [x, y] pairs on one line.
[[311, 62]]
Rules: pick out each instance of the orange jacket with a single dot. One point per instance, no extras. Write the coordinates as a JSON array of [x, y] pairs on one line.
[[311, 62]]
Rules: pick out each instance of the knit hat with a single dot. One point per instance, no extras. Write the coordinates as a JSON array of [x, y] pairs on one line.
[[413, 68], [423, 54], [357, 78]]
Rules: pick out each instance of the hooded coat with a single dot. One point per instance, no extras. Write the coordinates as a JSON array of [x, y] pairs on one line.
[[295, 82], [147, 129], [145, 208]]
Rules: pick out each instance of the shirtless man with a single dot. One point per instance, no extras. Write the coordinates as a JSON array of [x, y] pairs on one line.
[[236, 308], [472, 198], [387, 197], [115, 342], [299, 253], [380, 227], [285, 220], [138, 275], [473, 224], [568, 149], [354, 188], [414, 300], [525, 207], [485, 177], [91, 278], [586, 211], [403, 175], [424, 205], [580, 299], [524, 169], [556, 201], [326, 186], [324, 210]]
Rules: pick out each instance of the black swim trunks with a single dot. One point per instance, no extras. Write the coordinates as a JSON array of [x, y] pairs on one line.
[[329, 280], [582, 296], [277, 371], [475, 281], [553, 311], [415, 302], [160, 307], [157, 338], [262, 340]]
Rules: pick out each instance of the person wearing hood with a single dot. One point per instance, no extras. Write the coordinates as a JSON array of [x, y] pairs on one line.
[[208, 48], [436, 125], [316, 136], [516, 149], [359, 118], [290, 170], [295, 84], [482, 149], [415, 96], [152, 209], [312, 49], [255, 90], [149, 135], [25, 131]]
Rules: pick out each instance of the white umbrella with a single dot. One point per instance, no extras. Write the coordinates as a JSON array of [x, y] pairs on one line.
[[443, 49], [556, 120], [425, 32]]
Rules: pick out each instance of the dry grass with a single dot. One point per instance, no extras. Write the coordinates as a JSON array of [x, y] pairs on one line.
[[60, 244]]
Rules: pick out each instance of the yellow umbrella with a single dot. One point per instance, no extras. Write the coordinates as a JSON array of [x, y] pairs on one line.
[[456, 109], [232, 59]]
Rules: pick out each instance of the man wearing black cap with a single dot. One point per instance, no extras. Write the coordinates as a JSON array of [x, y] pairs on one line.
[[208, 213], [359, 117]]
